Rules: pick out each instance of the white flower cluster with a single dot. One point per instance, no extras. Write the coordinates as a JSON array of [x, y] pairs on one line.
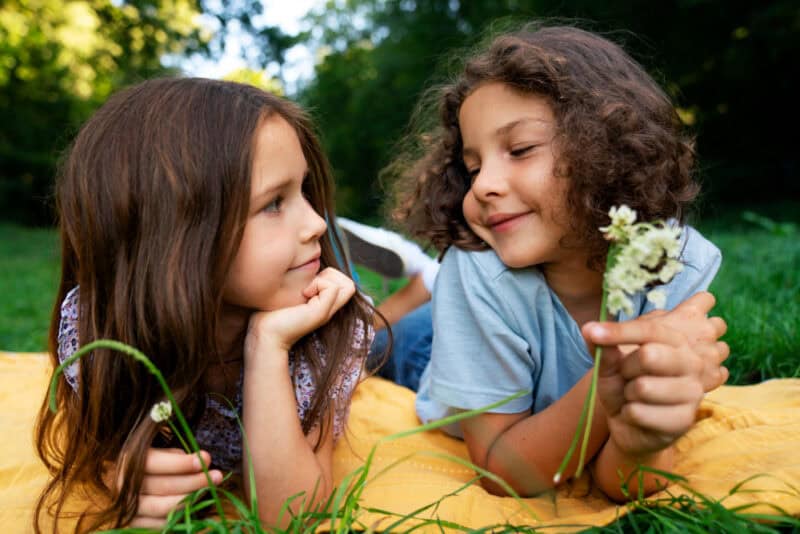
[[642, 253], [161, 411]]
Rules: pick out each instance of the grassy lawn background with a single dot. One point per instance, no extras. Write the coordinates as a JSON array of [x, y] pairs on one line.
[[757, 288], [758, 292]]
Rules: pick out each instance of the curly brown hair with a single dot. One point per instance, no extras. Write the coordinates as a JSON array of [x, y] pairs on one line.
[[620, 139]]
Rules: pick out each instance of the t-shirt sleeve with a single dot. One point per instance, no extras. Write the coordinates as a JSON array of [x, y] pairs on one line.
[[478, 356]]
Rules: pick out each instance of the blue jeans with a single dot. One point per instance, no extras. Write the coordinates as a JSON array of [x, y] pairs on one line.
[[411, 348]]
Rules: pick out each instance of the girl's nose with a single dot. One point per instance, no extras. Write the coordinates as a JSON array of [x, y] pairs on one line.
[[314, 226], [491, 180]]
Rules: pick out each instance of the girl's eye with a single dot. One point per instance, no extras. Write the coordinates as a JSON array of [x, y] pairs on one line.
[[274, 206], [521, 151], [472, 173]]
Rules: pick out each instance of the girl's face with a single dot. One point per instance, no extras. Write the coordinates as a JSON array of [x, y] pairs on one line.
[[514, 204], [280, 251]]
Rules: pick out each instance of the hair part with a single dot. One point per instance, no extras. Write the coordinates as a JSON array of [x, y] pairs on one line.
[[619, 138], [152, 197]]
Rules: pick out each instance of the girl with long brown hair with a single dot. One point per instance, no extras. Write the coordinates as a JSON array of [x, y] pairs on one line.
[[193, 226]]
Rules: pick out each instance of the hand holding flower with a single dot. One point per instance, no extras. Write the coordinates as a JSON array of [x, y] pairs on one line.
[[640, 254], [651, 394]]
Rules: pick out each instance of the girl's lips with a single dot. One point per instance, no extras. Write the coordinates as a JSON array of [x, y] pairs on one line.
[[309, 265], [501, 222]]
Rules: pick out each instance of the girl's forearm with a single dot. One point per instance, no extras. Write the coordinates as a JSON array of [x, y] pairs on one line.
[[284, 462], [528, 454], [615, 467]]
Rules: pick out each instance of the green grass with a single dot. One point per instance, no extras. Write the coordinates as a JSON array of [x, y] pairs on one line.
[[758, 293], [29, 265], [757, 289]]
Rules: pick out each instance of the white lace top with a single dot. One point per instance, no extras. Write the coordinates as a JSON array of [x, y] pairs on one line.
[[217, 431]]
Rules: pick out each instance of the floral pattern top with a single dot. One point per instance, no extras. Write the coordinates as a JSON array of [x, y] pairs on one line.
[[218, 431]]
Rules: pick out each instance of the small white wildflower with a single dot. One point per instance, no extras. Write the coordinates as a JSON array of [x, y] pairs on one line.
[[647, 249], [618, 301], [627, 275], [637, 250], [622, 216], [621, 226], [658, 297], [669, 270], [668, 239], [161, 411]]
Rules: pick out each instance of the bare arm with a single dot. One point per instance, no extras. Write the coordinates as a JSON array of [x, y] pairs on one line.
[[283, 459], [648, 398], [526, 450], [406, 299]]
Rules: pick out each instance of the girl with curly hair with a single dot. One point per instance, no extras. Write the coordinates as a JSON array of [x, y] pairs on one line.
[[538, 136]]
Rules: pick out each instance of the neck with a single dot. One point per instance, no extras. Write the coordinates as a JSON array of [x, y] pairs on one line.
[[579, 288]]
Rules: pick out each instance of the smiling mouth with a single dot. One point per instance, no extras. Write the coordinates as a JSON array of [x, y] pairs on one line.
[[310, 263], [500, 221]]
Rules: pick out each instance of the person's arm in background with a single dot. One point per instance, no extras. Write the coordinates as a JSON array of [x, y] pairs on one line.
[[404, 300]]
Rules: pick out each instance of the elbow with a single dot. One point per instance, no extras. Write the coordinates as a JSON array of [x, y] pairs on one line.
[[281, 511], [521, 479]]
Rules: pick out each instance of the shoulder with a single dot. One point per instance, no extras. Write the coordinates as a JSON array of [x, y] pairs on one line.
[[484, 271], [485, 262], [698, 253]]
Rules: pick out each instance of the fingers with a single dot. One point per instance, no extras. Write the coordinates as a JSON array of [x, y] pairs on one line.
[[670, 420], [155, 523], [660, 360], [720, 326], [714, 374], [173, 462], [162, 485], [663, 391], [698, 304], [635, 332], [157, 506], [170, 475], [333, 289]]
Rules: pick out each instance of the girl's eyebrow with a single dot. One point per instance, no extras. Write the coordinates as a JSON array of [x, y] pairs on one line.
[[519, 122], [272, 188], [269, 191]]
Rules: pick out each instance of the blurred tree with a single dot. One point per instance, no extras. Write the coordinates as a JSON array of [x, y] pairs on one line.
[[730, 66], [59, 60], [257, 78]]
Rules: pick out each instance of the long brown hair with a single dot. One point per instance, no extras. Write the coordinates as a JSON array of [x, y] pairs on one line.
[[620, 139], [152, 198]]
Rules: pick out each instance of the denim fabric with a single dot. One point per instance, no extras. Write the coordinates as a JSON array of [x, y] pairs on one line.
[[411, 348]]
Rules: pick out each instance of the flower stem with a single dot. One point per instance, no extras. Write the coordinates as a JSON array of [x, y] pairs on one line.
[[178, 435], [589, 403], [144, 360], [592, 395]]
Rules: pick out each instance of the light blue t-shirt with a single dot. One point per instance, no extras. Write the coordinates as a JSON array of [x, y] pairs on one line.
[[499, 331]]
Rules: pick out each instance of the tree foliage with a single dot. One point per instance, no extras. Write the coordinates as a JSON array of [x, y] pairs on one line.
[[59, 60], [730, 66]]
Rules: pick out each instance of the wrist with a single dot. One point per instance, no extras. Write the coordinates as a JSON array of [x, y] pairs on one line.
[[266, 353], [616, 468]]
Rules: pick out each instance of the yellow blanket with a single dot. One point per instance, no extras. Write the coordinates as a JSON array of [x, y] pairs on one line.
[[742, 431]]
